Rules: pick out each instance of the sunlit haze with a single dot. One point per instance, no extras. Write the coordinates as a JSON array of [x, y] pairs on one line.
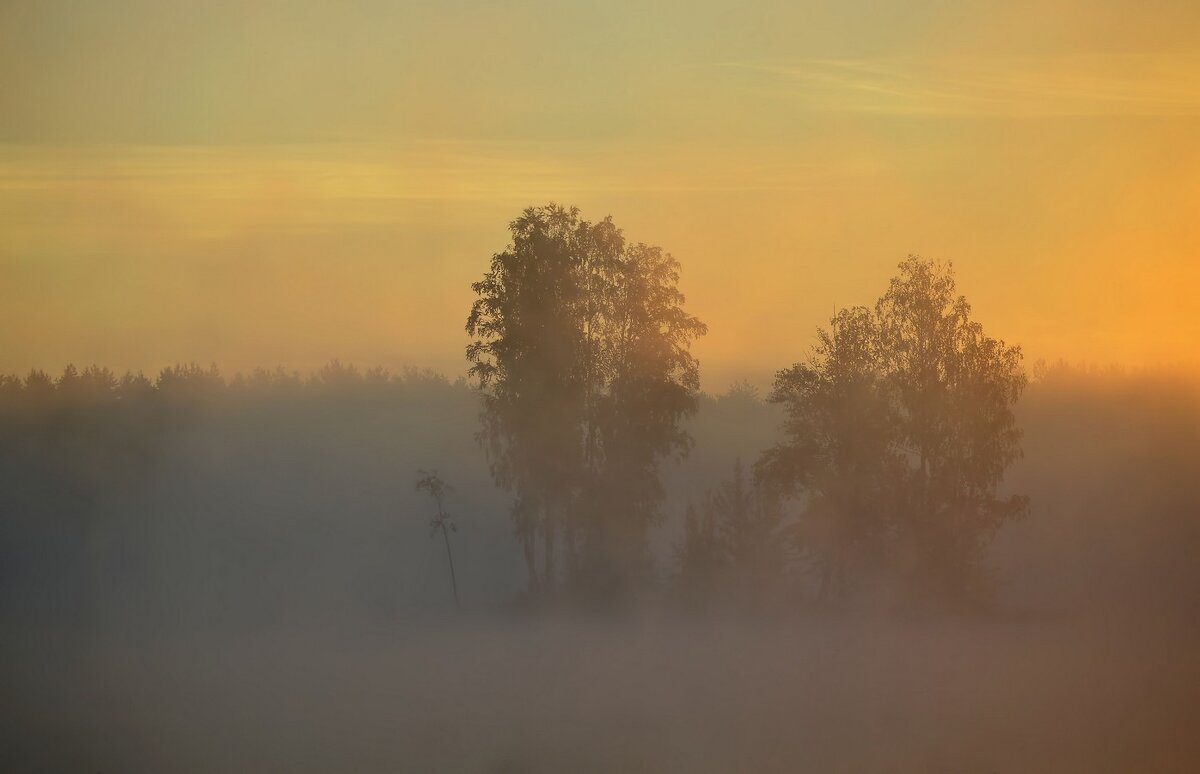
[[256, 184]]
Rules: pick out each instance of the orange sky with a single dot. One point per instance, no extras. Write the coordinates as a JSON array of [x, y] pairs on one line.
[[291, 183]]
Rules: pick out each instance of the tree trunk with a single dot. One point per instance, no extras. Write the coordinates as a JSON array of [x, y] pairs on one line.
[[530, 550], [569, 548], [548, 561], [450, 557]]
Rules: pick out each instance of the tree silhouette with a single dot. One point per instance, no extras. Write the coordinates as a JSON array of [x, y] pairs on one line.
[[748, 521], [899, 429], [703, 559], [954, 388], [839, 449], [430, 482], [581, 357], [529, 363], [734, 550]]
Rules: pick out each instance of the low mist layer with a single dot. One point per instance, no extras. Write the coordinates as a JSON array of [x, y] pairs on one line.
[[227, 575]]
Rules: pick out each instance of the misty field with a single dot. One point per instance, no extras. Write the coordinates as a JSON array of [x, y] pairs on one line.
[[264, 596], [478, 694]]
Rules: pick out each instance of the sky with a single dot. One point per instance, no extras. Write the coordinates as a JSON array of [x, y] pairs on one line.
[[286, 183]]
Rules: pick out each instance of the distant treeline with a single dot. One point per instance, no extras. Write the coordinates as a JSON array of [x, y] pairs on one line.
[[189, 380], [195, 499]]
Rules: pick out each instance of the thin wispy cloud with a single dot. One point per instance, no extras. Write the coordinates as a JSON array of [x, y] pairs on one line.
[[196, 188], [1164, 84]]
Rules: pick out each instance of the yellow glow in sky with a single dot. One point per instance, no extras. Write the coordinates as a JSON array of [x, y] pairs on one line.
[[296, 182]]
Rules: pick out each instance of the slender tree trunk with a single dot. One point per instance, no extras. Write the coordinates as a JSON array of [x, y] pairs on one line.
[[569, 548], [548, 560], [530, 549], [840, 579], [450, 557]]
